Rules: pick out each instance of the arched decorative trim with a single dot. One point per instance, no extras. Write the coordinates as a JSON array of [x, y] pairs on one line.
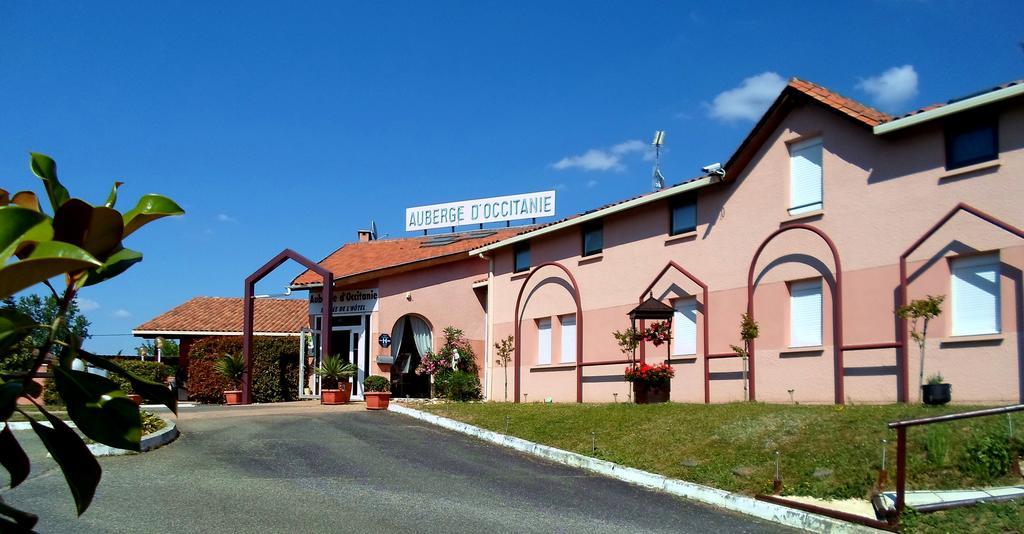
[[579, 328], [705, 313], [327, 278], [904, 363], [837, 306]]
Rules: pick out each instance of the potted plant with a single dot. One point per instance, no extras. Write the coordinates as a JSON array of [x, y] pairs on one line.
[[651, 383], [231, 368], [922, 311], [334, 374], [377, 391], [935, 392]]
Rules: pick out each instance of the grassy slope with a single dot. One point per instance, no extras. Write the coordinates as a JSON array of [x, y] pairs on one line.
[[724, 437]]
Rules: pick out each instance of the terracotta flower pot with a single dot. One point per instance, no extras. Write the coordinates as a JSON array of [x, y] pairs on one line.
[[233, 397], [645, 393], [377, 400], [342, 395], [137, 399]]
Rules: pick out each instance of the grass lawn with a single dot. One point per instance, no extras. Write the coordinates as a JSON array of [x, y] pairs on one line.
[[827, 451]]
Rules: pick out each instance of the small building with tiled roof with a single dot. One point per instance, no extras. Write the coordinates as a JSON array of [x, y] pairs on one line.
[[202, 317], [393, 298]]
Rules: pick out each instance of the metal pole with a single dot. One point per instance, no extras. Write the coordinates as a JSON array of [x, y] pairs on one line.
[[901, 469]]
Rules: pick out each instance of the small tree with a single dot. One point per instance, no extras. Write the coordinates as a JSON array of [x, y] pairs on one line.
[[921, 311], [749, 331], [505, 348]]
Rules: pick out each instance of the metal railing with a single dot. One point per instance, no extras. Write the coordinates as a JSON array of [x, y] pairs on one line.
[[901, 442]]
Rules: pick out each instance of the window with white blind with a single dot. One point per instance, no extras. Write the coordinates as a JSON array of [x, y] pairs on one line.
[[805, 176], [543, 341], [568, 338], [805, 313], [975, 289], [685, 321]]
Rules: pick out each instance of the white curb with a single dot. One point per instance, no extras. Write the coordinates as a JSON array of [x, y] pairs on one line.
[[723, 499], [25, 425], [149, 442]]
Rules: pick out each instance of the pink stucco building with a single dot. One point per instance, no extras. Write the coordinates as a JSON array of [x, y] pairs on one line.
[[827, 217], [824, 196]]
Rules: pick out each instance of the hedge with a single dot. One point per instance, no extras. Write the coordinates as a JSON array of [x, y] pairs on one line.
[[275, 376], [152, 371]]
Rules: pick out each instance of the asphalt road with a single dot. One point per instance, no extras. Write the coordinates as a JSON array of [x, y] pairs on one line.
[[349, 471]]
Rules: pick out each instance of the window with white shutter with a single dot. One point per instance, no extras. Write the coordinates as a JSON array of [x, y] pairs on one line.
[[805, 176], [685, 322], [805, 313], [568, 338], [975, 289], [543, 341]]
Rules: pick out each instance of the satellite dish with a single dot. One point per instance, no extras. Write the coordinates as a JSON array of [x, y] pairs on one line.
[[373, 230]]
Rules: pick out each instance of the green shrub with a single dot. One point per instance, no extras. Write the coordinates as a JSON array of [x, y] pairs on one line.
[[152, 371], [987, 457], [151, 422], [457, 385], [275, 369], [376, 383]]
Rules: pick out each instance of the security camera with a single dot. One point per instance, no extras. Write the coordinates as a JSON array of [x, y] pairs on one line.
[[714, 168]]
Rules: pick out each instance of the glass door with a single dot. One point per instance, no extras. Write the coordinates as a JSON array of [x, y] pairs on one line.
[[346, 344]]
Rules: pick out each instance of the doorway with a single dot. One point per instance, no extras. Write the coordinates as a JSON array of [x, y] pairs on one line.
[[411, 340], [347, 343]]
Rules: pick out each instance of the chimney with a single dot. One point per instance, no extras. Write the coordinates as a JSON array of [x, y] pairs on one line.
[[364, 235]]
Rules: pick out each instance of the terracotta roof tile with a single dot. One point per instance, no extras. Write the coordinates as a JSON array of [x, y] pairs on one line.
[[368, 256], [224, 314], [860, 112]]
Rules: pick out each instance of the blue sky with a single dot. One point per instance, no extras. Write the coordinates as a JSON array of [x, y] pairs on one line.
[[280, 126]]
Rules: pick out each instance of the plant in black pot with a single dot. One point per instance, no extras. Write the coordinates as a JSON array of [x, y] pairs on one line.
[[936, 392], [920, 312]]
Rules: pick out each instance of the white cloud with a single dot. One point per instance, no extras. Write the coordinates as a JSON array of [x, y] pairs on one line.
[[591, 183], [604, 159], [224, 217], [749, 100], [121, 313], [892, 88], [87, 305]]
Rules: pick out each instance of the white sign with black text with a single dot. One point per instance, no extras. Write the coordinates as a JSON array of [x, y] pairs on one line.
[[481, 210], [351, 301]]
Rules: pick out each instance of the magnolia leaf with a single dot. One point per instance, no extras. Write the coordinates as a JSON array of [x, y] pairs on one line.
[[26, 199], [116, 264], [151, 391], [13, 457], [9, 393], [150, 208], [97, 230], [44, 167], [23, 521], [20, 225], [49, 259], [80, 468], [14, 326], [112, 197], [100, 409]]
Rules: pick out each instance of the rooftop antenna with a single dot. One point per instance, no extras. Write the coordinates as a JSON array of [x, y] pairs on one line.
[[658, 180]]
